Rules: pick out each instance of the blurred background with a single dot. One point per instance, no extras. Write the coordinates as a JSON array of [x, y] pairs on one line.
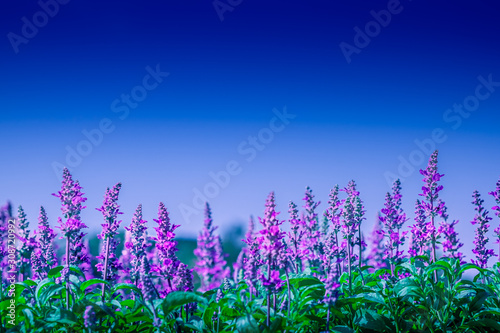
[[228, 100]]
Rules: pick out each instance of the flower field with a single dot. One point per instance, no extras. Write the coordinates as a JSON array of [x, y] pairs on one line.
[[300, 271]]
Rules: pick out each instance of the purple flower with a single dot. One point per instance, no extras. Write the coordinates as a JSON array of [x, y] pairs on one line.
[[136, 244], [252, 262], [148, 290], [451, 243], [110, 210], [72, 198], [352, 216], [28, 243], [420, 234], [294, 252], [166, 247], [239, 265], [392, 219], [270, 244], [211, 266], [44, 257], [310, 242], [496, 196], [89, 318], [481, 219], [433, 207], [377, 251]]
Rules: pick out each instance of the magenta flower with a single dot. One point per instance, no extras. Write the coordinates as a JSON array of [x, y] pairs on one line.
[[71, 198], [421, 236], [481, 219], [377, 250], [136, 244], [239, 265], [146, 285], [293, 251], [433, 206], [211, 266], [270, 243], [496, 196], [110, 265], [311, 236], [28, 243], [352, 216], [166, 247], [252, 262], [43, 257], [392, 219], [451, 243]]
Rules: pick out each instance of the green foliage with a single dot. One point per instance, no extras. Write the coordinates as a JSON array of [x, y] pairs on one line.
[[465, 298]]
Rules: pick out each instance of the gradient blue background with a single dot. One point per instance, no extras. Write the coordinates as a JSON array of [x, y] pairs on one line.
[[353, 121]]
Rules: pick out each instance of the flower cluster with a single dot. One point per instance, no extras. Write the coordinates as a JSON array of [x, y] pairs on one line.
[[271, 245], [211, 266], [136, 245], [72, 198], [496, 196], [433, 207], [28, 242], [110, 265], [310, 242], [166, 246], [352, 216], [239, 265], [392, 219], [43, 257], [293, 251], [481, 219]]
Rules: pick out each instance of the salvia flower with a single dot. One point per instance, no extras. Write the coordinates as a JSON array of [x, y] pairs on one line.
[[110, 265], [148, 290], [377, 250], [271, 244], [252, 262], [451, 242], [43, 257], [294, 251], [393, 218], [28, 243], [183, 281], [421, 236], [496, 208], [481, 219], [72, 199], [238, 266], [166, 247], [89, 318], [432, 206], [352, 216], [137, 243], [211, 265], [310, 243]]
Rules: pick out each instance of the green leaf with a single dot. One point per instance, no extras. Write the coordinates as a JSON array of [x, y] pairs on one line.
[[91, 282], [55, 271], [342, 329], [61, 315], [49, 292], [180, 298], [120, 286], [247, 324]]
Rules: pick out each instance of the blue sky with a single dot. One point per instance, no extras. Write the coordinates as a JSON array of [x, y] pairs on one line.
[[355, 119]]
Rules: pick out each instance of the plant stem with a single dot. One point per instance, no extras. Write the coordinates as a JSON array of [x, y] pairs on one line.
[[105, 275], [289, 293], [349, 262], [328, 319], [360, 245], [67, 275]]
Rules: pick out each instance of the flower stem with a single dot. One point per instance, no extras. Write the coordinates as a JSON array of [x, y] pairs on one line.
[[105, 275], [67, 274]]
